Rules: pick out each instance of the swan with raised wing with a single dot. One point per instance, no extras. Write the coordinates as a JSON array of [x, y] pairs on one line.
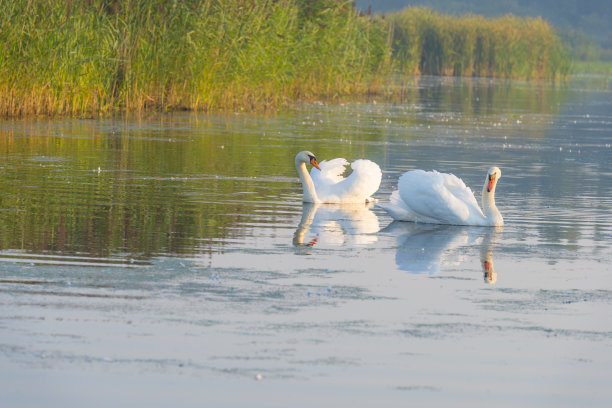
[[441, 198], [327, 185]]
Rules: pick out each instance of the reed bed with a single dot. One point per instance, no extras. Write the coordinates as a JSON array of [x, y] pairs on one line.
[[101, 56], [427, 42]]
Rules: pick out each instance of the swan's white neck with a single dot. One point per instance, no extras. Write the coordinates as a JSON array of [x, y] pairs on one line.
[[491, 213], [310, 194]]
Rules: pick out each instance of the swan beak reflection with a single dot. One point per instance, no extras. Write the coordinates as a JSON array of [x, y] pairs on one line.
[[490, 276], [491, 182], [313, 161]]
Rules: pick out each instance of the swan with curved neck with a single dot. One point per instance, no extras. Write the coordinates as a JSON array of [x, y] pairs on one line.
[[440, 198], [310, 193], [327, 185], [492, 215]]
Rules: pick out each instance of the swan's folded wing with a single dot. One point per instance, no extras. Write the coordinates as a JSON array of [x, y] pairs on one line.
[[464, 194], [427, 194]]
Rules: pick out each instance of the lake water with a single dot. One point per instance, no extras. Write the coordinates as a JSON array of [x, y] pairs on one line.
[[168, 260]]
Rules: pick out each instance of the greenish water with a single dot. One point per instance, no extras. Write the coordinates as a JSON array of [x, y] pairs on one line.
[[173, 253], [185, 184]]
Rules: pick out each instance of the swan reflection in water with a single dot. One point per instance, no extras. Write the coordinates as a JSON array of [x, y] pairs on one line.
[[486, 253], [424, 248], [336, 225]]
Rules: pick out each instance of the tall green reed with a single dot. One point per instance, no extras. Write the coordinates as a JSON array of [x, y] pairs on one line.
[[428, 42], [99, 56]]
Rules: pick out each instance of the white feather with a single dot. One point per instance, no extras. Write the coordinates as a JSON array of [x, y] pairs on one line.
[[440, 198], [330, 186]]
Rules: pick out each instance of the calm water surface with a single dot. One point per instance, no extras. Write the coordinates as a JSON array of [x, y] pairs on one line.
[[169, 259]]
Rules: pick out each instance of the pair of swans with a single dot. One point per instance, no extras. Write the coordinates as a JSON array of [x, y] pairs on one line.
[[422, 196]]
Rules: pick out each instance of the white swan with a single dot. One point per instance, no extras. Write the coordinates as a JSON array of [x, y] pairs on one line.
[[326, 185], [439, 198]]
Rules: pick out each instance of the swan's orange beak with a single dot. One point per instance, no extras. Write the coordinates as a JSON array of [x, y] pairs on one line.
[[491, 183], [313, 161]]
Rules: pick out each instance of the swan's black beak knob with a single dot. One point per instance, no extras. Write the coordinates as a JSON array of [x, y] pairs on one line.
[[313, 161]]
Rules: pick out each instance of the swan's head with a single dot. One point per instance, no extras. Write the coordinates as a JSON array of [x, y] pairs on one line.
[[492, 176], [307, 157]]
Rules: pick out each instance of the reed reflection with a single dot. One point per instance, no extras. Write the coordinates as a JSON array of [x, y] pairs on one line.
[[336, 225]]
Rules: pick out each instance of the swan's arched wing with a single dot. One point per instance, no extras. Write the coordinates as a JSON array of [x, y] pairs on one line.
[[327, 179], [330, 173], [364, 181], [358, 186], [433, 195]]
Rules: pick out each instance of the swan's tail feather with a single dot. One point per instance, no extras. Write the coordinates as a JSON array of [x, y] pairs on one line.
[[398, 210]]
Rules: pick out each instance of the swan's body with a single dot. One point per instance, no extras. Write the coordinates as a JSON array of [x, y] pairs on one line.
[[326, 185], [440, 198]]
